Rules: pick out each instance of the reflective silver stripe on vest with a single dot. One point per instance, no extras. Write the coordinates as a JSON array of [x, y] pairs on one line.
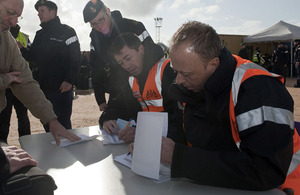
[[92, 47], [238, 76], [295, 162], [265, 113], [158, 102], [143, 36], [71, 40], [259, 115], [130, 80], [158, 74]]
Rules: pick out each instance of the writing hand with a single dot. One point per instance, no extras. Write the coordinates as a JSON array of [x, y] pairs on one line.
[[167, 149], [127, 134]]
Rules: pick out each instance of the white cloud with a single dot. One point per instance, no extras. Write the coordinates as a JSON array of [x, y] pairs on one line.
[[134, 7], [177, 3], [203, 14], [246, 28], [211, 9]]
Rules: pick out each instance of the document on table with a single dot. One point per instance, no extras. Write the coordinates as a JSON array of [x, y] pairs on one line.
[[151, 126], [65, 142], [114, 138], [164, 173]]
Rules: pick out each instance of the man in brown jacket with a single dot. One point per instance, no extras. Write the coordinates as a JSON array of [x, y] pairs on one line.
[[14, 73]]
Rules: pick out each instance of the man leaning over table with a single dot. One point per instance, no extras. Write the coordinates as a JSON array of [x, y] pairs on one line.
[[238, 118], [15, 73], [151, 77]]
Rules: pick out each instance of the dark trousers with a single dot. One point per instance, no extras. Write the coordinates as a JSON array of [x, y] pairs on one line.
[[62, 106], [298, 76], [22, 115]]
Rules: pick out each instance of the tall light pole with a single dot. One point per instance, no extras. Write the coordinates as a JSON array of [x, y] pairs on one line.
[[158, 22]]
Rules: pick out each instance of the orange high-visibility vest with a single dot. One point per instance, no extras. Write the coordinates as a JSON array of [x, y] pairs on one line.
[[151, 100], [244, 70]]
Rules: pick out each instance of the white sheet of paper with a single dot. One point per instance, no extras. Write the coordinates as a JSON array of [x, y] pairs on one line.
[[110, 139], [164, 173], [151, 126], [65, 142]]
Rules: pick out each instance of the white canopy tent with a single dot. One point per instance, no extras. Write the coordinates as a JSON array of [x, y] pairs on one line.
[[281, 31]]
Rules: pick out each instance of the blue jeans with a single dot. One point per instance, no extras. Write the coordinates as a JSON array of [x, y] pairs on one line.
[[62, 106]]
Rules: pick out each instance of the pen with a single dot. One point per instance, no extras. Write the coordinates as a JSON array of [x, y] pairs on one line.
[[128, 153], [129, 122]]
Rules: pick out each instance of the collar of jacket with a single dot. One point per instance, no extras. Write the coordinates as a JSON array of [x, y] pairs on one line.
[[49, 24], [221, 79], [153, 53]]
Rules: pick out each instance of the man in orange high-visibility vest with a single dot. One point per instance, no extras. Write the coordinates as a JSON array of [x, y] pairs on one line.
[[238, 118], [151, 77]]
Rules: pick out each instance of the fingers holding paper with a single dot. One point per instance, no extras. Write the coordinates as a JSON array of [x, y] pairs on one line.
[[58, 130], [111, 127], [127, 134], [167, 148]]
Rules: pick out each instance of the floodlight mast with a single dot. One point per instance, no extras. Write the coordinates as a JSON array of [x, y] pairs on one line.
[[158, 25]]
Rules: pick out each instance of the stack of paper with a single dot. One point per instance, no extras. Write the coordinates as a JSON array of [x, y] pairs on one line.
[[151, 126]]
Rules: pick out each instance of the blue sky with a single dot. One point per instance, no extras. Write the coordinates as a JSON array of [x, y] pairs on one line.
[[240, 17]]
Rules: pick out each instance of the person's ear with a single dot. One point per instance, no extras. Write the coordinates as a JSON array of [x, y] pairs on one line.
[[214, 64], [108, 12], [141, 48]]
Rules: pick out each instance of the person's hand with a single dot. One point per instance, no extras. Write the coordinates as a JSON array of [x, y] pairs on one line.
[[13, 77], [110, 127], [58, 130], [18, 158], [65, 86], [297, 64], [167, 149], [103, 106], [127, 134]]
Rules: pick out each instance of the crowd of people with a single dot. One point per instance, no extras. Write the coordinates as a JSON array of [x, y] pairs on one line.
[[278, 62], [230, 120]]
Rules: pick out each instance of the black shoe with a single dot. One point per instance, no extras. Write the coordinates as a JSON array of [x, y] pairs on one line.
[[296, 86]]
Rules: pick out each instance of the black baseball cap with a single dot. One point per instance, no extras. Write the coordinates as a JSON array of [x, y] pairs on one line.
[[51, 5], [92, 9]]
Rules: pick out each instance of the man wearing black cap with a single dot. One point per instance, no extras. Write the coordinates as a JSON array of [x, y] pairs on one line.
[[56, 52], [107, 76], [297, 60], [280, 59]]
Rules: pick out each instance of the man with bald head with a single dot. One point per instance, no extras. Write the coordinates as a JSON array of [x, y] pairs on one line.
[[15, 73]]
